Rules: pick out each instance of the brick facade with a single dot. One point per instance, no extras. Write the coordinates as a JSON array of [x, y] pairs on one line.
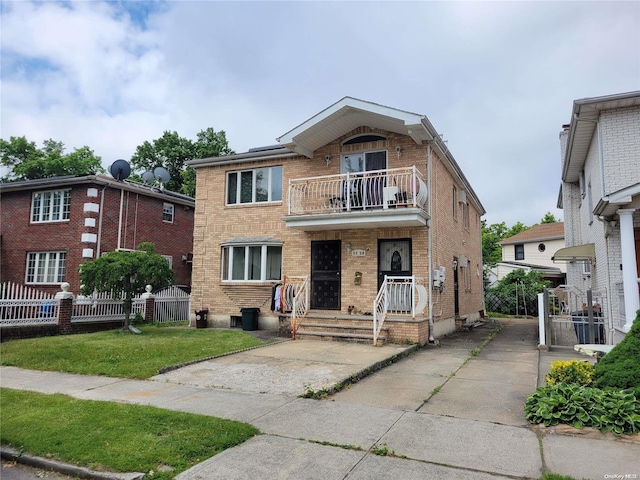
[[142, 221], [216, 223]]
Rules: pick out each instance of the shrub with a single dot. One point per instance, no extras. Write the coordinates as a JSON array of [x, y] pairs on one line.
[[606, 410], [570, 371], [620, 368]]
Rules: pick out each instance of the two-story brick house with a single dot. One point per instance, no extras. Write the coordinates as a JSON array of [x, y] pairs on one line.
[[600, 195], [362, 201], [51, 226]]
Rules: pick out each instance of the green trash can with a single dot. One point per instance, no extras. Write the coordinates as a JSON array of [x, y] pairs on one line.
[[250, 318]]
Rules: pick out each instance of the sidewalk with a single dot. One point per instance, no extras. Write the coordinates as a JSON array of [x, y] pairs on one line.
[[441, 412]]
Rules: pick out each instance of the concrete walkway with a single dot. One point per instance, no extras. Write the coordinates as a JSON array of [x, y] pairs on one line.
[[440, 413]]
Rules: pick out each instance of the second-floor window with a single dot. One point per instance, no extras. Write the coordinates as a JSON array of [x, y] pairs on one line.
[[254, 186], [46, 267], [167, 212], [519, 251], [51, 206]]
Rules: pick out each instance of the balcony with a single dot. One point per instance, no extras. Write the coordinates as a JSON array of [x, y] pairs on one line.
[[375, 199]]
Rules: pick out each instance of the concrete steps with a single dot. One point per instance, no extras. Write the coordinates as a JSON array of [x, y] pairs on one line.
[[340, 329]]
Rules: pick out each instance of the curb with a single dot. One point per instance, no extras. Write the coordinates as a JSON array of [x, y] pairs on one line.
[[8, 453]]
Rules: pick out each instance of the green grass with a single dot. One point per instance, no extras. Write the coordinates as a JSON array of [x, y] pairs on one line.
[[114, 436], [116, 354]]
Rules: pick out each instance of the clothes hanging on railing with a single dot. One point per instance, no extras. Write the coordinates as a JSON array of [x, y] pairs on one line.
[[277, 298]]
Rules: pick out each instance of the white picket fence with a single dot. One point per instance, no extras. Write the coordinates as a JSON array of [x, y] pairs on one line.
[[102, 307], [172, 304], [21, 305]]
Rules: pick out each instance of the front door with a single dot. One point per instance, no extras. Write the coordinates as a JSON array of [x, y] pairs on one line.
[[325, 275], [394, 260], [456, 293]]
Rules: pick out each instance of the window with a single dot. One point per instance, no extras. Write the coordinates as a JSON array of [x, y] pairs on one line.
[[455, 202], [465, 215], [169, 259], [542, 247], [50, 206], [586, 268], [364, 138], [46, 267], [519, 251], [252, 262], [254, 186], [167, 212]]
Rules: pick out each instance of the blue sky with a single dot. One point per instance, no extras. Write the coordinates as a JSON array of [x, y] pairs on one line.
[[496, 79]]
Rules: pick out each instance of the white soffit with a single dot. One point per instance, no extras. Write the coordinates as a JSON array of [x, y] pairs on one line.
[[586, 112], [347, 115]]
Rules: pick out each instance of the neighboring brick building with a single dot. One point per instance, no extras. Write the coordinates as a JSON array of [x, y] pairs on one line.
[[357, 192], [51, 226], [600, 195], [532, 250]]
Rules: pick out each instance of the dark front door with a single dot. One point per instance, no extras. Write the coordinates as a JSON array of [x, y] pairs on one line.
[[325, 275], [456, 295]]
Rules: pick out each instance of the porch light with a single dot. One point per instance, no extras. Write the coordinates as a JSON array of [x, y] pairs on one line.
[[348, 247], [327, 158]]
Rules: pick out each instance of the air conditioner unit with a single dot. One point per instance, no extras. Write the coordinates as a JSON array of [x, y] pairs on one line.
[[463, 261], [462, 196]]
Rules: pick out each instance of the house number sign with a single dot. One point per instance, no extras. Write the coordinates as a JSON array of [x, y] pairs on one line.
[[357, 253]]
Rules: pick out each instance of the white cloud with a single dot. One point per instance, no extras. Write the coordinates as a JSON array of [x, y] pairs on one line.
[[496, 78]]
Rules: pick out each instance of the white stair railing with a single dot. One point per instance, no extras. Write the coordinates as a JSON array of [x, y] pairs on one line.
[[296, 299], [380, 305]]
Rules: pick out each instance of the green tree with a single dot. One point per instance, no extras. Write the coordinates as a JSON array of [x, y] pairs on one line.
[[28, 162], [549, 218], [517, 293], [492, 235], [171, 151], [125, 274]]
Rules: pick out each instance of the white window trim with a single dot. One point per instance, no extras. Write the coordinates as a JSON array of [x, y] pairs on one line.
[[48, 259], [263, 263], [65, 195], [165, 210], [253, 171]]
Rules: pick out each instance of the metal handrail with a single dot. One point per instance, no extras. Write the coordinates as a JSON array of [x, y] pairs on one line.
[[387, 188], [296, 295]]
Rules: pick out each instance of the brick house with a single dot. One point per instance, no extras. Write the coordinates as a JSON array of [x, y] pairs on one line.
[[359, 200], [600, 195], [51, 226], [532, 250]]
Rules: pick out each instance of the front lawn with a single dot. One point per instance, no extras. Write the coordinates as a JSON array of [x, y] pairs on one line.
[[116, 354], [114, 436]]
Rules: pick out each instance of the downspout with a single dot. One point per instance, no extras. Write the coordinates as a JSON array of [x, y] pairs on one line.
[[120, 217], [430, 240]]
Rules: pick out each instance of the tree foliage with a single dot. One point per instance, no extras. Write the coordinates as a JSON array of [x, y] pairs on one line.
[[492, 235], [28, 162], [549, 218], [125, 274], [517, 293], [171, 151], [620, 368]]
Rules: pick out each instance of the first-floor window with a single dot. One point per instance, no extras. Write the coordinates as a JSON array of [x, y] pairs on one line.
[[46, 267], [252, 262]]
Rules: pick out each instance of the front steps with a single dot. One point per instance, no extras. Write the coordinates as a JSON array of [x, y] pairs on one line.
[[347, 328]]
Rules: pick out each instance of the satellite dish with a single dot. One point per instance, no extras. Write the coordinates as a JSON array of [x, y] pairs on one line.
[[161, 174], [147, 177], [120, 169]]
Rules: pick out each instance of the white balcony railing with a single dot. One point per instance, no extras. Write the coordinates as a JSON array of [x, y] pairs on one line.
[[361, 191]]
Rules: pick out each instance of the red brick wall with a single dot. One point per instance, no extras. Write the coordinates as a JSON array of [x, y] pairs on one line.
[[142, 222]]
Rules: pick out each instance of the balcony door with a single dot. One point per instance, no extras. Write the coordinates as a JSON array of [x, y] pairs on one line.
[[325, 275], [364, 190]]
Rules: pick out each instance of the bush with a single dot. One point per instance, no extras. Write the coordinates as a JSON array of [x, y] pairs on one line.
[[620, 368], [570, 371], [606, 410]]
